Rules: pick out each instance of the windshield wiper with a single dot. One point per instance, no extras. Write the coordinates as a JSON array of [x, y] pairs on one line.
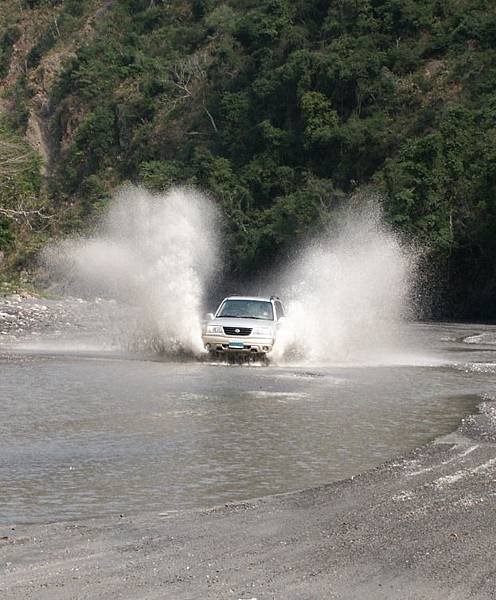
[[238, 317]]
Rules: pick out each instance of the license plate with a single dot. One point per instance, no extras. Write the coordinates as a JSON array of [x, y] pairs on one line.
[[236, 345]]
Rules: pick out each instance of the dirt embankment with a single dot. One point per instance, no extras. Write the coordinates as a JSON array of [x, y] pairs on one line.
[[49, 130]]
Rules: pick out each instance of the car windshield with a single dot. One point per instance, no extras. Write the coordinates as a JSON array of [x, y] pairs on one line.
[[247, 309]]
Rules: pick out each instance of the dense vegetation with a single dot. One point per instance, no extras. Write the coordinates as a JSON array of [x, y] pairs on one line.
[[282, 109]]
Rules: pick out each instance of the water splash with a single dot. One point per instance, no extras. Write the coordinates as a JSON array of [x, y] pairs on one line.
[[348, 293], [153, 252]]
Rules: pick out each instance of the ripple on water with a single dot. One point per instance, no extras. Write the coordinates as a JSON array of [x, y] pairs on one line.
[[263, 395], [477, 367], [307, 375], [488, 337]]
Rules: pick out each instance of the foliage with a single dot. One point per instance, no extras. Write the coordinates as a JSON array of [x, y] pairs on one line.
[[9, 37], [279, 109], [22, 207]]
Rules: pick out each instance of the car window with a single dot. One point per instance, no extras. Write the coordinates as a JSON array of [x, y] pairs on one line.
[[247, 309]]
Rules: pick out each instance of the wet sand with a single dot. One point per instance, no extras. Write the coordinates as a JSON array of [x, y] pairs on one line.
[[420, 527]]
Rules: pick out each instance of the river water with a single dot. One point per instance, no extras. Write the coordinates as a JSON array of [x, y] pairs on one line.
[[86, 432]]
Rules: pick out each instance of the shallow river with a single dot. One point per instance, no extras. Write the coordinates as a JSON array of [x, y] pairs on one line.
[[89, 433]]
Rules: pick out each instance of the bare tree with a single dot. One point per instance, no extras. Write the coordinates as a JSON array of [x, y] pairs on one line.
[[24, 216], [189, 75], [16, 158]]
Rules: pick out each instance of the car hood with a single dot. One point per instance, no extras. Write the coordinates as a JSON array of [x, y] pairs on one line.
[[234, 322]]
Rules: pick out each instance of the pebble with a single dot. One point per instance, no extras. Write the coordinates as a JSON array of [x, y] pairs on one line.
[[23, 315]]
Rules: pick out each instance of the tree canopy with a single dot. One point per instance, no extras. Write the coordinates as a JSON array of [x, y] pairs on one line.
[[281, 109]]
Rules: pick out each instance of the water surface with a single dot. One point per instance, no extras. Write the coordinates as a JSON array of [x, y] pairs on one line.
[[89, 433]]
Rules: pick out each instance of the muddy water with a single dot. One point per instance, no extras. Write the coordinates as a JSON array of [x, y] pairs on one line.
[[90, 433]]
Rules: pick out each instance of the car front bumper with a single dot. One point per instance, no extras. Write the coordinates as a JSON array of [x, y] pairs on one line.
[[214, 342]]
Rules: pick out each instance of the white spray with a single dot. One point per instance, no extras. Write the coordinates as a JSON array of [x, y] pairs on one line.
[[155, 252], [348, 293]]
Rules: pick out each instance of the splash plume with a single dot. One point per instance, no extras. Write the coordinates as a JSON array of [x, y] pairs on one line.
[[349, 291], [155, 252]]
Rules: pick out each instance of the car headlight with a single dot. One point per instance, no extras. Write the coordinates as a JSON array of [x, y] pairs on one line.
[[214, 329], [263, 331]]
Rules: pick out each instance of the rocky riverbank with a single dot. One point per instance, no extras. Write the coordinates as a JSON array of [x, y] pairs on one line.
[[25, 317], [25, 314], [420, 527]]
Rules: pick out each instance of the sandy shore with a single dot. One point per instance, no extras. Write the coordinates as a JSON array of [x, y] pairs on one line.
[[423, 526]]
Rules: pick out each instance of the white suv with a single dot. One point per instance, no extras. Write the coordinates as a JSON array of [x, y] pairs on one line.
[[244, 324]]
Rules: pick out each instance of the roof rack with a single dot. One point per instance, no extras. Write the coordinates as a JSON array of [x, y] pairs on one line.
[[274, 298]]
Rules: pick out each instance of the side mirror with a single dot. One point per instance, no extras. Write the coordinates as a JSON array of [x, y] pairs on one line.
[[281, 319], [210, 316]]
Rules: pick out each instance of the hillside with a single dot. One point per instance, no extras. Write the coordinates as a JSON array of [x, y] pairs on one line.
[[281, 109]]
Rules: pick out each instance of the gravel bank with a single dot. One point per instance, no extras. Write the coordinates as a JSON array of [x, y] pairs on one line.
[[23, 316], [26, 319], [421, 527]]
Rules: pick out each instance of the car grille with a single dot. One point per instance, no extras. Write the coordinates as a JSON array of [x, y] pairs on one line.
[[237, 331]]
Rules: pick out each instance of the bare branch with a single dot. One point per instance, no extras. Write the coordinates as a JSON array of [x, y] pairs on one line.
[[182, 78], [19, 215], [13, 158], [188, 70], [210, 117]]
